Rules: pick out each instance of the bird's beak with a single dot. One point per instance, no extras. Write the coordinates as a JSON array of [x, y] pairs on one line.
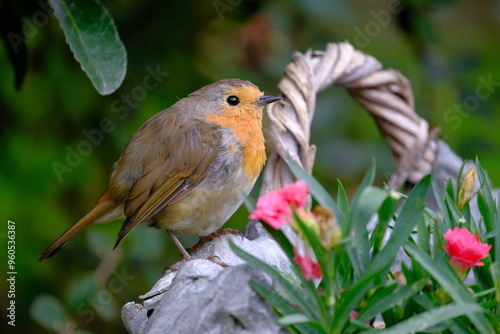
[[266, 99]]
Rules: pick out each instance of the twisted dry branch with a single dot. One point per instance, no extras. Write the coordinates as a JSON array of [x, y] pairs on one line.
[[385, 94]]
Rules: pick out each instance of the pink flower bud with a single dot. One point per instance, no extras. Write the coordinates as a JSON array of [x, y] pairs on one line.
[[310, 269]]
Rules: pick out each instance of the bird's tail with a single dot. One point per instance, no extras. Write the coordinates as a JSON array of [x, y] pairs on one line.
[[103, 205]]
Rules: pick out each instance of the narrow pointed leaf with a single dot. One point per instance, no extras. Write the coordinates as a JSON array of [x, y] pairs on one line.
[[366, 205], [317, 190], [351, 299], [299, 318], [405, 292], [430, 318], [440, 202], [367, 181], [291, 285], [411, 213], [485, 200], [342, 200], [249, 202], [280, 305]]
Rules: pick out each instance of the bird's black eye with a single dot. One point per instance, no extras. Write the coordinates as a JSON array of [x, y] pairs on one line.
[[233, 100]]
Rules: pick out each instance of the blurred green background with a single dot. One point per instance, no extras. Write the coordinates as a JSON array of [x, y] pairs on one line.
[[447, 48]]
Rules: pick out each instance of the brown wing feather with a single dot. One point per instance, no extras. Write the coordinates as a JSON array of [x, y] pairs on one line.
[[182, 164]]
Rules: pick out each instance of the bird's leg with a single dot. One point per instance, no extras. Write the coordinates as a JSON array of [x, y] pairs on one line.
[[217, 234], [184, 253]]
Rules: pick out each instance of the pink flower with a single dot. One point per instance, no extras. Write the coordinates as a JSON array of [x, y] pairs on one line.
[[464, 248], [295, 194], [310, 269], [353, 314], [275, 208], [272, 209]]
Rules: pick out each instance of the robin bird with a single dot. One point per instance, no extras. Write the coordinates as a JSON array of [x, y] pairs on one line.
[[187, 167]]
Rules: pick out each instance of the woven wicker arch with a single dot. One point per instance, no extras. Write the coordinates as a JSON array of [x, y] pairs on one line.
[[385, 94]]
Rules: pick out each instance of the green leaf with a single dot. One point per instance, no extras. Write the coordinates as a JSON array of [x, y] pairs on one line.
[[460, 179], [423, 227], [295, 318], [281, 239], [300, 318], [342, 201], [373, 308], [286, 282], [249, 202], [80, 289], [385, 215], [453, 211], [495, 267], [445, 275], [47, 311], [450, 189], [317, 190], [362, 209], [351, 299], [280, 305], [94, 41], [430, 318], [367, 181], [411, 213], [440, 203], [323, 258], [485, 200], [288, 248]]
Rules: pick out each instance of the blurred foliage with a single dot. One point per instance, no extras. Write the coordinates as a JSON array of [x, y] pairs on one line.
[[447, 48]]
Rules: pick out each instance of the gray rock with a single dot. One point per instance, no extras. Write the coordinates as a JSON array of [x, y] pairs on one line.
[[201, 296]]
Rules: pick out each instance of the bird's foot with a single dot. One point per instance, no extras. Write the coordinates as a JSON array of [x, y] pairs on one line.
[[206, 238]]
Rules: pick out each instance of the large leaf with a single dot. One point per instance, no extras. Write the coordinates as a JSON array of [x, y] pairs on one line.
[[93, 38]]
